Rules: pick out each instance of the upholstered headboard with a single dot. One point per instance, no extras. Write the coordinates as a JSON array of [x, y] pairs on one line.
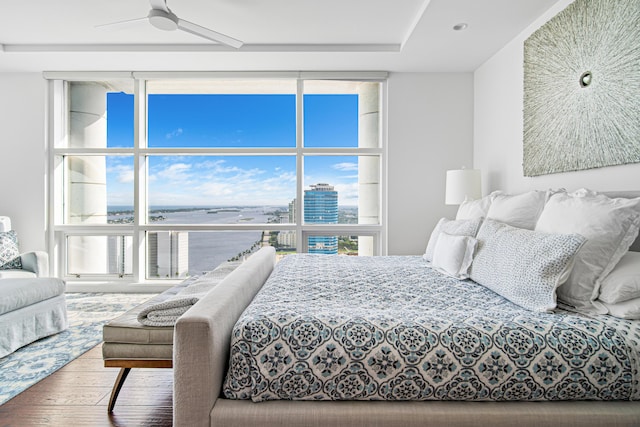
[[635, 246]]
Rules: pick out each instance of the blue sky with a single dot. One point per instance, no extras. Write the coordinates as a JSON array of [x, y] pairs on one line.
[[233, 121]]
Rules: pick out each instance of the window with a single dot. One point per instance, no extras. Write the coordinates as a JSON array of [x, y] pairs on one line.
[[162, 177]]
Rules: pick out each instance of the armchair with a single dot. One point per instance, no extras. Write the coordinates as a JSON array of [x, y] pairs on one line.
[[32, 305], [33, 264]]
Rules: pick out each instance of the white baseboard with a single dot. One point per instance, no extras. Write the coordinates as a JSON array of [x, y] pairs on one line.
[[118, 287]]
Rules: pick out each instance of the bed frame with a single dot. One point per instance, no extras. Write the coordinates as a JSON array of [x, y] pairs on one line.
[[201, 351]]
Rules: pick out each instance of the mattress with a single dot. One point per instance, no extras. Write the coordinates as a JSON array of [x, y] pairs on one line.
[[391, 328]]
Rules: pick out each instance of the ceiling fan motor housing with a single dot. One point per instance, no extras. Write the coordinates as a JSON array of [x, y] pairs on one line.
[[167, 21]]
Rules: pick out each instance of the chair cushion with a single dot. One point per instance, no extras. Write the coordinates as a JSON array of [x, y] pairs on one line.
[[17, 274], [22, 292]]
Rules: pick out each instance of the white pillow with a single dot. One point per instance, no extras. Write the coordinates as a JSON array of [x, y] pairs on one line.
[[522, 265], [453, 255], [464, 227], [475, 209], [520, 210], [625, 310], [623, 283], [609, 225]]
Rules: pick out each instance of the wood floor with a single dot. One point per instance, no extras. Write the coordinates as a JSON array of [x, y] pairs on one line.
[[77, 395]]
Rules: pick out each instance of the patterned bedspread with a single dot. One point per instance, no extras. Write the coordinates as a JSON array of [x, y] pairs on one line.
[[391, 328]]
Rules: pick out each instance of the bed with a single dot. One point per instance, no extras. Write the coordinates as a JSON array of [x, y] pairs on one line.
[[415, 346]]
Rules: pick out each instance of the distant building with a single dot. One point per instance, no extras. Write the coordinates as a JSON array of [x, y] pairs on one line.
[[120, 250], [168, 254], [321, 207], [287, 238], [292, 212]]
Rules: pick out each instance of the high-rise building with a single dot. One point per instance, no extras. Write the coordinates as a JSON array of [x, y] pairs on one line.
[[292, 212], [287, 238], [168, 254], [119, 249], [321, 207]]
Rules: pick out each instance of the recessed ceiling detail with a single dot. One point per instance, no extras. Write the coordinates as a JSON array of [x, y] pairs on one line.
[[411, 35]]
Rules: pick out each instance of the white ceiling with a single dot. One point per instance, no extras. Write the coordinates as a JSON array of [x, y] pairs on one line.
[[390, 35]]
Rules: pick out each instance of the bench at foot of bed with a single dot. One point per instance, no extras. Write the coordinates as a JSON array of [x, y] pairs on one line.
[[130, 344]]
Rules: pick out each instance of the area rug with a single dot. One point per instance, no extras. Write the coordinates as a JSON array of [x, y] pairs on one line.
[[87, 313]]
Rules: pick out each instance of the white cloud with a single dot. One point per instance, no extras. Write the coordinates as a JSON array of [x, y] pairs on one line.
[[217, 182], [176, 172], [347, 193], [174, 133], [216, 189], [181, 181], [345, 166], [123, 174], [174, 175]]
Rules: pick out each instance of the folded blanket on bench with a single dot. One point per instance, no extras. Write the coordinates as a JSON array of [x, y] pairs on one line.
[[167, 312]]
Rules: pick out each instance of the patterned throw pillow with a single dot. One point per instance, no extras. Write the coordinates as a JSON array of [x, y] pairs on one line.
[[9, 253], [524, 266]]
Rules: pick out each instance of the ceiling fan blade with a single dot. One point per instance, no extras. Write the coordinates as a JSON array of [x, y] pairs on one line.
[[159, 5], [126, 21], [197, 30]]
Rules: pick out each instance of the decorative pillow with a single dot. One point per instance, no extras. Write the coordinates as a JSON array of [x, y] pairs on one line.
[[623, 283], [523, 266], [453, 255], [609, 225], [475, 209], [520, 210], [625, 310], [463, 227], [9, 253]]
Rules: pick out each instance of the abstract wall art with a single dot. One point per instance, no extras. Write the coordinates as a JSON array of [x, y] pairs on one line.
[[582, 89]]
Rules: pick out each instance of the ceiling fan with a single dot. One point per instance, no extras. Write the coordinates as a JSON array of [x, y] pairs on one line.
[[160, 16]]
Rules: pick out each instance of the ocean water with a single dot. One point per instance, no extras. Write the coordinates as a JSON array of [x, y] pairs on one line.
[[208, 249]]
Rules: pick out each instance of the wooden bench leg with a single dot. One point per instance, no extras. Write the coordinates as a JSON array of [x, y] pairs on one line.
[[122, 376]]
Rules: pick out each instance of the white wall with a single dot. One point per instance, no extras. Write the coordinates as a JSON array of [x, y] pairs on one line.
[[430, 130], [22, 156], [498, 128]]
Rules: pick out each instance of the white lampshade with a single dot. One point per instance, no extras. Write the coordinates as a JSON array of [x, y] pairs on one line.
[[462, 184]]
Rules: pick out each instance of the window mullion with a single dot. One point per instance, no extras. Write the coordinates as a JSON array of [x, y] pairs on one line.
[[140, 181], [299, 164]]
